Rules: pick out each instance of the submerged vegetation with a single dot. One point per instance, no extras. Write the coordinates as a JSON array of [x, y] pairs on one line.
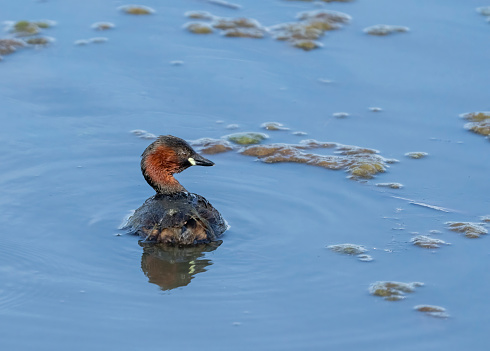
[[393, 291]]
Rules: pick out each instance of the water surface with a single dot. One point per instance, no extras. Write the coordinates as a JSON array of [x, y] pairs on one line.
[[70, 173]]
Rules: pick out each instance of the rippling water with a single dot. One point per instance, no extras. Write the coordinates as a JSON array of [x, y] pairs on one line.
[[70, 173]]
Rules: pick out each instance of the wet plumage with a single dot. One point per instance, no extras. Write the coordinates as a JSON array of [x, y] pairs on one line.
[[173, 215]]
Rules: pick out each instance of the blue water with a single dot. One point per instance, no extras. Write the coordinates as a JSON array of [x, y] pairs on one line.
[[70, 173]]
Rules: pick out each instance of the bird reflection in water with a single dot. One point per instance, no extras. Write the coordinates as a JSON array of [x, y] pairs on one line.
[[172, 266]]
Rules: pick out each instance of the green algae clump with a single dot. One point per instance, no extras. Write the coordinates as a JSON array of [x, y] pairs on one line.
[[427, 242], [416, 154], [39, 41], [433, 311], [199, 28], [469, 229], [25, 28], [247, 138], [212, 146], [137, 10], [385, 29], [393, 291], [479, 122]]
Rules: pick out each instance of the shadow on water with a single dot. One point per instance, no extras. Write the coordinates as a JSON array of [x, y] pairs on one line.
[[171, 267]]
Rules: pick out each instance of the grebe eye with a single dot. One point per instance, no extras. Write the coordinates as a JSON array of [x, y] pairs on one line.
[[191, 161]]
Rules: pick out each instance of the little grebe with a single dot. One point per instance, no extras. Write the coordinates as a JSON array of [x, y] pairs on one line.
[[173, 215]]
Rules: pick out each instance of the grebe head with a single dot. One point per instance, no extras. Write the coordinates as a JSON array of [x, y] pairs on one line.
[[166, 156]]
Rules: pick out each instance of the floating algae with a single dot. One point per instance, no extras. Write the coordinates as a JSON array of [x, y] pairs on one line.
[[102, 26], [485, 10], [212, 146], [302, 34], [390, 185], [385, 29], [45, 23], [427, 242], [393, 291], [479, 122], [340, 114], [312, 25], [485, 218], [364, 258], [348, 249], [198, 28], [230, 27], [136, 9], [353, 250], [359, 162], [417, 154], [243, 33], [239, 27], [203, 15], [8, 46], [469, 229], [233, 23], [25, 28], [273, 126], [307, 45], [246, 138], [433, 311], [39, 41]]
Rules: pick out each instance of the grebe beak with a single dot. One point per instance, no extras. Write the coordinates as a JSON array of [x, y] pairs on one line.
[[198, 160]]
